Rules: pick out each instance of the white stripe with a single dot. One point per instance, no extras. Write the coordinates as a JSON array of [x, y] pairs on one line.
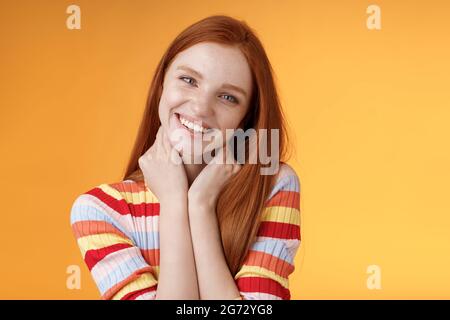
[[259, 296], [147, 296], [103, 267]]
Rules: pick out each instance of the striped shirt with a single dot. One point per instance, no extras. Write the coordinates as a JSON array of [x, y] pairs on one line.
[[116, 228]]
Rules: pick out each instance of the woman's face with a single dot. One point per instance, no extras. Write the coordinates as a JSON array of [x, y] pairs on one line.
[[209, 85]]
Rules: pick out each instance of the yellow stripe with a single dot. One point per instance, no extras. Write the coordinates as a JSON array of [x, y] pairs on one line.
[[156, 270], [98, 241], [110, 191], [282, 214], [255, 271], [145, 280], [139, 197], [128, 196]]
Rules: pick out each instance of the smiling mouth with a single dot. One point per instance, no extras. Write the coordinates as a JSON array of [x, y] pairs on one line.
[[191, 126]]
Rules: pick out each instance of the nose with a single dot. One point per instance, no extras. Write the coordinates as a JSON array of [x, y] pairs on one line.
[[202, 107]]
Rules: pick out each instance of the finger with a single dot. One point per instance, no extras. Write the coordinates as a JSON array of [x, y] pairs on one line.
[[170, 153], [148, 153], [236, 166], [218, 158], [159, 148], [175, 157], [165, 141], [229, 155]]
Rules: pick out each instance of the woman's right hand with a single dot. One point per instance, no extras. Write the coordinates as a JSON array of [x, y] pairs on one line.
[[163, 170]]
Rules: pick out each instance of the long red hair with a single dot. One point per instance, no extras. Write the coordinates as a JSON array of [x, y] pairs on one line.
[[242, 199]]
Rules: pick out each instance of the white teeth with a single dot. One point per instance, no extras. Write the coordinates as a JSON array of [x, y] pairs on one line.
[[192, 126]]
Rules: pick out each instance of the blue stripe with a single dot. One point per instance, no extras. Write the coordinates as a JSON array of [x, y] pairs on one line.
[[146, 239], [275, 248], [287, 183], [86, 212], [82, 211], [120, 272]]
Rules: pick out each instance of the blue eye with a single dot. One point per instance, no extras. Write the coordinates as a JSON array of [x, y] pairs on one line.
[[188, 78], [192, 82], [233, 99]]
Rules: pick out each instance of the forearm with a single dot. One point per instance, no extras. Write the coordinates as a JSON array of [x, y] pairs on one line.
[[177, 277], [215, 280]]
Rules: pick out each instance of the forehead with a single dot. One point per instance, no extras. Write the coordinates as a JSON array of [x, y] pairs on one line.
[[216, 62]]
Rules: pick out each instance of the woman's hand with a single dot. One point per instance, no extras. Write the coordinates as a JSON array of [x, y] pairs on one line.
[[206, 188], [163, 170]]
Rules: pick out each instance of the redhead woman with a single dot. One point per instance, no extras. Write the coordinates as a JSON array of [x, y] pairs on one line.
[[178, 226]]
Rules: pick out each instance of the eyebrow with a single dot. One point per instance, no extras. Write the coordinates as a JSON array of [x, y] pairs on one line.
[[200, 76]]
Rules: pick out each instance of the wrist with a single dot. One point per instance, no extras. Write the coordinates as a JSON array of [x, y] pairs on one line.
[[201, 202], [172, 196], [173, 202], [201, 214]]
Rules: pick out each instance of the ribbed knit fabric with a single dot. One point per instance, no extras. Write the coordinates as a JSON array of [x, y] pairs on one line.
[[117, 230]]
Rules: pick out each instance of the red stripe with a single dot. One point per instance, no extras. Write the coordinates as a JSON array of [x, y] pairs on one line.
[[124, 208], [115, 288], [134, 294], [151, 256], [95, 255], [263, 285], [90, 227], [279, 230], [134, 187], [290, 199], [270, 262]]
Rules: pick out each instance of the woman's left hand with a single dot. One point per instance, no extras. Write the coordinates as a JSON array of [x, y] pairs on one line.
[[206, 187]]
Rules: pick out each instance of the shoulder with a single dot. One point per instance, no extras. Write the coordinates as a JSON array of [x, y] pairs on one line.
[[286, 171], [283, 201], [105, 192], [114, 199], [129, 190], [286, 180]]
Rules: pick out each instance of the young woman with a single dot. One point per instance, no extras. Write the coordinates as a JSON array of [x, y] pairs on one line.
[[177, 227]]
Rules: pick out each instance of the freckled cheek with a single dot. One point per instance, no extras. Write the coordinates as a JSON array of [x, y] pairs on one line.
[[175, 96], [170, 99]]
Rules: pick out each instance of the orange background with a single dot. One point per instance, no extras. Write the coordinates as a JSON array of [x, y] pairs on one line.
[[369, 111]]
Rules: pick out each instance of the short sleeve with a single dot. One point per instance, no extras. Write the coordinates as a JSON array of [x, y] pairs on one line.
[[100, 221], [265, 272]]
